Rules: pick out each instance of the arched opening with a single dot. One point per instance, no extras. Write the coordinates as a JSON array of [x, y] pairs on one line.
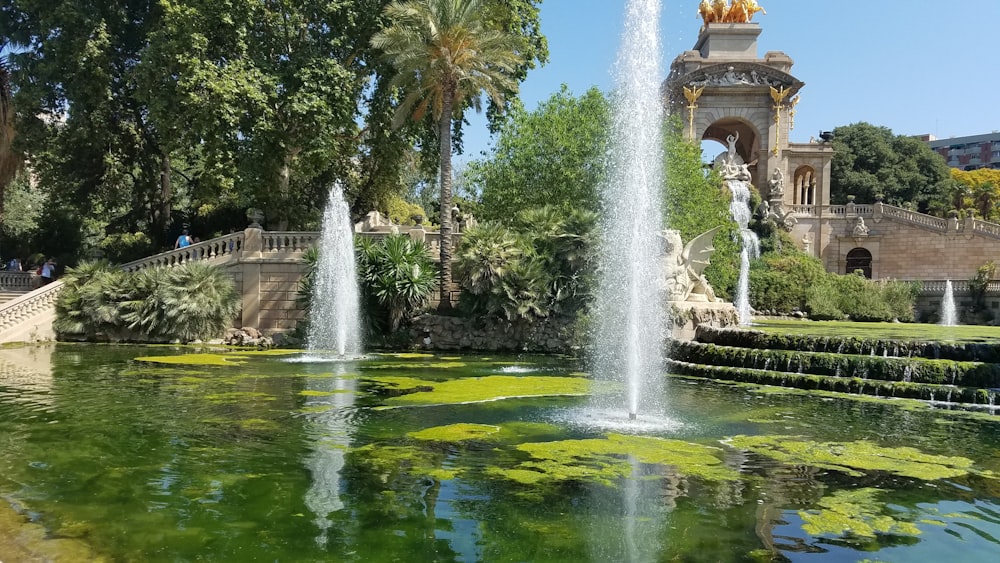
[[804, 186], [747, 143], [859, 259]]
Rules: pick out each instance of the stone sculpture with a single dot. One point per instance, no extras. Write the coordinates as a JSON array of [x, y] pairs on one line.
[[684, 266], [720, 11]]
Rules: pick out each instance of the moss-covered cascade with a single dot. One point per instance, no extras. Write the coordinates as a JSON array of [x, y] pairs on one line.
[[856, 385], [888, 368], [740, 338]]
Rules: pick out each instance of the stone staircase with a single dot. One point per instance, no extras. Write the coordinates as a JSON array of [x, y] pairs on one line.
[[26, 314]]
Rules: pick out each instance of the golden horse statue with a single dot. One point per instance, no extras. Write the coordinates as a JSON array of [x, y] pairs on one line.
[[706, 12], [720, 11]]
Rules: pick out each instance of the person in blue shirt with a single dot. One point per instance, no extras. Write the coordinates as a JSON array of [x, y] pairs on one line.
[[183, 240]]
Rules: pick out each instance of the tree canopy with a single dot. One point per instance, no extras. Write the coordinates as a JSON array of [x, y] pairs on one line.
[[551, 156], [870, 160], [141, 116]]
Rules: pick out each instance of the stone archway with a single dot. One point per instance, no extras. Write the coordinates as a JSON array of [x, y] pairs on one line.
[[859, 259], [747, 136], [748, 140]]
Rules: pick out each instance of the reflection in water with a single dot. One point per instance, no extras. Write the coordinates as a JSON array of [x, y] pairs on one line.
[[332, 432], [26, 373]]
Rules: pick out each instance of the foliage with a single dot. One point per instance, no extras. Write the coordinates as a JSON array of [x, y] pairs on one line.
[[838, 297], [125, 247], [539, 265], [89, 303], [143, 116], [979, 284], [870, 160], [779, 281], [192, 301], [401, 212], [445, 54], [22, 211], [551, 156], [977, 189], [397, 277], [696, 202]]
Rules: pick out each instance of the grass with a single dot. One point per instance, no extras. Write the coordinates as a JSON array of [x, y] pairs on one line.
[[913, 332]]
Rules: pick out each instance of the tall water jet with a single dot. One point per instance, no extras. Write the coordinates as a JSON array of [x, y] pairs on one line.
[[629, 310], [335, 318], [949, 317]]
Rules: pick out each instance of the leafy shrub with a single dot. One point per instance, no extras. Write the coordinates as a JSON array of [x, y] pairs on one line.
[[780, 281], [397, 277], [192, 301], [542, 264]]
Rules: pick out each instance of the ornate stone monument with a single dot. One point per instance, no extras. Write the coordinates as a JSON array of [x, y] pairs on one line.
[[747, 103]]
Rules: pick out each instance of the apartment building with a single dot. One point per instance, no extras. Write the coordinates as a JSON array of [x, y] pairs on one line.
[[969, 153]]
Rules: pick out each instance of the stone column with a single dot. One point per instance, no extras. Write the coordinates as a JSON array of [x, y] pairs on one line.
[[249, 260]]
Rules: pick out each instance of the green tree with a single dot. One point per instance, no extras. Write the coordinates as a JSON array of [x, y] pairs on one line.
[[446, 55], [695, 202], [553, 156], [870, 160]]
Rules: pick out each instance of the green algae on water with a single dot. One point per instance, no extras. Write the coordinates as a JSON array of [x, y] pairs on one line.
[[855, 458], [456, 433], [604, 460], [386, 463], [197, 359], [480, 389], [854, 513]]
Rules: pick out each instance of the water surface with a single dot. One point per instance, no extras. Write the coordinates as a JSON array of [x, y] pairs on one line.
[[270, 460]]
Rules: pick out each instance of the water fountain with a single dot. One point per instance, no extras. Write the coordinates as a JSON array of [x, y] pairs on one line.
[[949, 317], [737, 178], [335, 320], [629, 310]]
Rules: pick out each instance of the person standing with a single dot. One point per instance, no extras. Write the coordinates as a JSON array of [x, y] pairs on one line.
[[183, 240], [48, 271]]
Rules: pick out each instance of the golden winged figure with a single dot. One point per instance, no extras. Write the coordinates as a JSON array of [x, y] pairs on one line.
[[692, 93], [779, 95]]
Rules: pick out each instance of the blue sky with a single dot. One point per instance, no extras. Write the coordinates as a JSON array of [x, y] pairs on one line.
[[915, 66]]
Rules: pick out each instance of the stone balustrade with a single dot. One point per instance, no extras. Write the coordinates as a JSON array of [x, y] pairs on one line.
[[228, 246], [17, 281], [28, 318]]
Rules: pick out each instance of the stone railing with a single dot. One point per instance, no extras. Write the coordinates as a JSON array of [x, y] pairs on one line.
[[920, 219], [16, 315], [985, 228], [16, 281], [287, 242], [850, 210], [228, 246], [259, 261], [936, 287]]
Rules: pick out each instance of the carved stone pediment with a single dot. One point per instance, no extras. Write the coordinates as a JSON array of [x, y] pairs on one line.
[[731, 77]]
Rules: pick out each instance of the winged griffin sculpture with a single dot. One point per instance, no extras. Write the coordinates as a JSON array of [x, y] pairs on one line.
[[684, 265]]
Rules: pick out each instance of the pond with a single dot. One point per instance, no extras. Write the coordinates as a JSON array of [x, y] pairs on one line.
[[186, 456]]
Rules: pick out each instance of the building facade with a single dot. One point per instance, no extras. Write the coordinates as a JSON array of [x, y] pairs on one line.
[[969, 153]]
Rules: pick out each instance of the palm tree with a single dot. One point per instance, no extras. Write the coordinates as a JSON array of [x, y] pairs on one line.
[[445, 57]]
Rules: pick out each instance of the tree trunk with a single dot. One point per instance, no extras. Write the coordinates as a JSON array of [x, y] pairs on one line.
[[284, 185], [444, 127], [166, 188]]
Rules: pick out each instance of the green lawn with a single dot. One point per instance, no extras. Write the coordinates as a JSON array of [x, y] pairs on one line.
[[887, 331]]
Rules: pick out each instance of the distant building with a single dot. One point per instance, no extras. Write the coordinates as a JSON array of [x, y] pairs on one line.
[[969, 153]]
